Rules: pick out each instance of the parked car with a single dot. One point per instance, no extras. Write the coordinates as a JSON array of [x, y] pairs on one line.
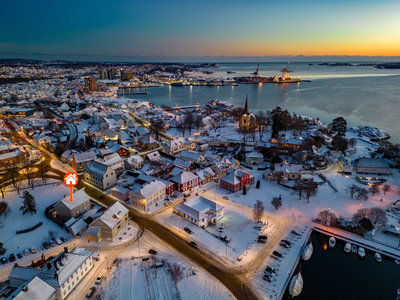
[[33, 250], [260, 240], [90, 292], [194, 245], [152, 251], [221, 228], [58, 241], [4, 260], [267, 278], [19, 255], [225, 197], [167, 203], [258, 227], [26, 252], [278, 254], [52, 243], [287, 242], [46, 245], [103, 196], [284, 245], [11, 258], [97, 258], [64, 239], [295, 232], [187, 230], [239, 258], [99, 279]]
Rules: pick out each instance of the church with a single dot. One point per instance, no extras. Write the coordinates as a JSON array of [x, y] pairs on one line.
[[247, 120]]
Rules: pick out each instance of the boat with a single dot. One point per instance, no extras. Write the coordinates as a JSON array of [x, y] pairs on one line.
[[296, 285], [347, 248], [332, 242], [361, 252], [230, 72], [378, 257], [397, 261], [354, 249], [234, 84], [307, 252]]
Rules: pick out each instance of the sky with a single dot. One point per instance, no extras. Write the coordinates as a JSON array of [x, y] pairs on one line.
[[126, 30]]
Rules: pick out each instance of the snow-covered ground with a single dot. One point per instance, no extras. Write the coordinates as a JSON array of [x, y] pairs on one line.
[[44, 196]]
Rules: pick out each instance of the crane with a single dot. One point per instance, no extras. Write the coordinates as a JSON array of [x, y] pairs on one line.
[[285, 71], [256, 71]]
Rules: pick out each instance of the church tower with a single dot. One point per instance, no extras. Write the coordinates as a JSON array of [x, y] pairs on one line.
[[247, 120]]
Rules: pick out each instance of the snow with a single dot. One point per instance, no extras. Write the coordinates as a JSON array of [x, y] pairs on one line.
[[44, 196]]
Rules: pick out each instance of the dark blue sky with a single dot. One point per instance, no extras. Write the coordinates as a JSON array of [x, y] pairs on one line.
[[123, 29]]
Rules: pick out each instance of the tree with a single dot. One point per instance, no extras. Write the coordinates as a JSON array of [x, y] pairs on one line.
[[386, 188], [176, 272], [60, 149], [327, 217], [2, 249], [29, 172], [43, 169], [198, 122], [377, 217], [89, 140], [156, 127], [189, 121], [339, 125], [360, 214], [310, 189], [12, 173], [29, 204], [366, 224], [276, 202], [362, 194], [374, 189], [352, 189], [261, 120], [339, 143], [298, 189], [244, 190], [258, 211], [181, 128], [2, 189]]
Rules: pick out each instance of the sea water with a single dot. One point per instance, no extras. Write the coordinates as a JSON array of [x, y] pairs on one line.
[[363, 95]]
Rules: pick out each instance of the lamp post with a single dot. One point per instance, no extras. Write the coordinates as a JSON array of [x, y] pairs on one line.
[[179, 224], [226, 248]]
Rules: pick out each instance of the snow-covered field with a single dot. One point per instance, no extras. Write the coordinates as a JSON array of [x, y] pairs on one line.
[[44, 196]]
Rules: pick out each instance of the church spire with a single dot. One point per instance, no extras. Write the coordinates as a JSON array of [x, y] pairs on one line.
[[246, 106]]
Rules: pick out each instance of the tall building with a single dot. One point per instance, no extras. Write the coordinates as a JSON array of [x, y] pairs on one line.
[[111, 74], [247, 120], [103, 74], [123, 74], [90, 85]]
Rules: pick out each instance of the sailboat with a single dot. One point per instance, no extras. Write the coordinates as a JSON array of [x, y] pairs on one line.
[[296, 285], [307, 252]]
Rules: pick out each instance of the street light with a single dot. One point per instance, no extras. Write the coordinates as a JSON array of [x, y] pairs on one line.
[[179, 224], [226, 248]]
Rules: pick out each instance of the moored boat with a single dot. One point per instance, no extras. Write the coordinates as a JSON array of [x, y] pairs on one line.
[[361, 252], [332, 242], [296, 285], [354, 249], [307, 252], [347, 248], [397, 261], [378, 257]]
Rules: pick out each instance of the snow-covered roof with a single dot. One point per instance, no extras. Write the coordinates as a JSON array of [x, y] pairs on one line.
[[110, 159], [197, 206], [9, 154], [150, 188], [284, 167], [96, 167], [119, 189], [93, 230], [114, 214], [85, 156], [77, 226], [184, 177], [78, 197], [191, 155], [372, 163], [254, 155], [182, 163], [134, 159], [36, 289]]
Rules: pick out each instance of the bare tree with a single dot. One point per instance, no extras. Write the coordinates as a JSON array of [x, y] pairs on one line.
[[360, 214], [374, 189], [261, 119], [310, 189], [276, 202], [156, 127], [198, 122], [377, 217], [29, 172], [258, 211], [386, 188], [189, 121], [352, 143], [298, 189], [13, 173], [43, 169], [176, 272], [181, 128], [352, 189], [362, 194], [327, 217]]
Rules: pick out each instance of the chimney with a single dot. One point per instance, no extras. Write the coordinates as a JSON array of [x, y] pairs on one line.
[[65, 250], [48, 266]]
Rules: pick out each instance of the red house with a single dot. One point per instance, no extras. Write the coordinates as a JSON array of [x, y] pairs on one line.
[[236, 180], [185, 181]]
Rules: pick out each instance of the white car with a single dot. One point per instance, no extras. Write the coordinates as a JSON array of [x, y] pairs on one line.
[[33, 250], [26, 252], [58, 241]]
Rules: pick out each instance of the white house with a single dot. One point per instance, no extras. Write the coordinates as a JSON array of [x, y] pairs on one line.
[[254, 158], [175, 146], [133, 161], [64, 272], [100, 175], [148, 195], [34, 289], [200, 211], [114, 161], [79, 205]]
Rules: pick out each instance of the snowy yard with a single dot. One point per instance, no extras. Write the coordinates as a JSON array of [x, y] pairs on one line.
[[44, 196]]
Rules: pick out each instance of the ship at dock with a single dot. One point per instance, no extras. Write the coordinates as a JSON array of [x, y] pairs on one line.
[[284, 78]]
